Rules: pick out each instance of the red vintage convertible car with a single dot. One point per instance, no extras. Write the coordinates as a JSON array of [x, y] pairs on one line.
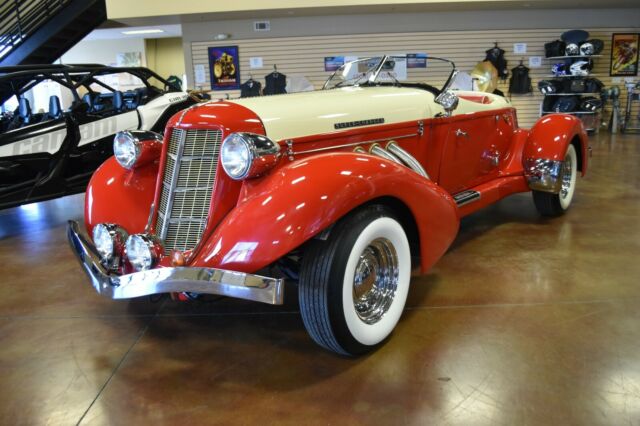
[[339, 189]]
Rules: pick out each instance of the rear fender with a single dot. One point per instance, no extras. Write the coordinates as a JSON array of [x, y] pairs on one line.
[[546, 147], [551, 135], [284, 209]]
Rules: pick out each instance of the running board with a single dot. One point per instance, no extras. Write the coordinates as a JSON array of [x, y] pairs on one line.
[[466, 197]]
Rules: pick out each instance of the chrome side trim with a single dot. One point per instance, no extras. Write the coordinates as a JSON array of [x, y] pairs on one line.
[[407, 159], [544, 175], [347, 145], [168, 280], [466, 197], [381, 152]]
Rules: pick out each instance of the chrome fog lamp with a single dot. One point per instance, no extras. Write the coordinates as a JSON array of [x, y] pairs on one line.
[[109, 240], [143, 251], [247, 155], [126, 149]]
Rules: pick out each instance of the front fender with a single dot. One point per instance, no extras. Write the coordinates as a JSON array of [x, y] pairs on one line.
[[282, 210], [550, 137], [117, 195]]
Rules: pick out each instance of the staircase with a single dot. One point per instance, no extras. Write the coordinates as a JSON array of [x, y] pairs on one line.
[[40, 31]]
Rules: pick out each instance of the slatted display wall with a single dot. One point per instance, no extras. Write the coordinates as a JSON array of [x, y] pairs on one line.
[[305, 55]]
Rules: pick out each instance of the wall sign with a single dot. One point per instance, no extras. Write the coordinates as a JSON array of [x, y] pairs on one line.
[[624, 54], [199, 75], [256, 62], [535, 61], [224, 67], [416, 60], [519, 48], [332, 63]]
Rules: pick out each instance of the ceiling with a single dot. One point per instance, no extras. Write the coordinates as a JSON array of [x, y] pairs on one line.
[[155, 18]]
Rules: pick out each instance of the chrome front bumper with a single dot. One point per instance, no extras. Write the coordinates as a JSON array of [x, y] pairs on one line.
[[168, 280], [544, 175]]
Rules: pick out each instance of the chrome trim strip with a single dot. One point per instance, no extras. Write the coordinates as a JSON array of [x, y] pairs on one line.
[[407, 158], [466, 197], [328, 148], [544, 175], [235, 284], [174, 181]]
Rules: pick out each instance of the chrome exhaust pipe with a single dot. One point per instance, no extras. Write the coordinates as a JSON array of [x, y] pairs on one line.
[[380, 152], [407, 159]]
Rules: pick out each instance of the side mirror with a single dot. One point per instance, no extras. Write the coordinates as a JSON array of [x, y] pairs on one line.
[[448, 100]]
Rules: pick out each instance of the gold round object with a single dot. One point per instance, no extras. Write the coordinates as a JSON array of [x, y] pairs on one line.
[[485, 77]]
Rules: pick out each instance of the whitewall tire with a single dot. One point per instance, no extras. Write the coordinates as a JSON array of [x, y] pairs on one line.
[[549, 204], [354, 285]]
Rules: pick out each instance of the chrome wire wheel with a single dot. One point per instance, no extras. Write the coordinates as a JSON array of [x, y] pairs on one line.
[[569, 169], [566, 179], [375, 280]]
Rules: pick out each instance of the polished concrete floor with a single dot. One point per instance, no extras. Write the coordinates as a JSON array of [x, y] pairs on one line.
[[524, 321]]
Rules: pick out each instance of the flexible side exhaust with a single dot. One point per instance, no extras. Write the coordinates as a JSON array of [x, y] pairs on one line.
[[408, 159]]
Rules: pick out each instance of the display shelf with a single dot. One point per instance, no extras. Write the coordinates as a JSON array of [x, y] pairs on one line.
[[573, 94], [574, 56], [572, 76]]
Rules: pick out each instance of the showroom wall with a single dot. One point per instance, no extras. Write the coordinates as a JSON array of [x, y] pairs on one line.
[[165, 56], [299, 45], [103, 51]]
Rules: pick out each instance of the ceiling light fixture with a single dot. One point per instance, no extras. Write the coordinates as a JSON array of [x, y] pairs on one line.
[[151, 31]]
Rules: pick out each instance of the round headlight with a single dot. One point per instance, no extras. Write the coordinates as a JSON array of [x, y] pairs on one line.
[[247, 155], [143, 251], [126, 148], [236, 156], [109, 241]]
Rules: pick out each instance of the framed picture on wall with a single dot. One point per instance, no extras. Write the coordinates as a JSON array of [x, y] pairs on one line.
[[224, 66], [624, 54]]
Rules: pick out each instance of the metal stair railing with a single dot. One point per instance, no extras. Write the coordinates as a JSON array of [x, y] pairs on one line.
[[21, 18]]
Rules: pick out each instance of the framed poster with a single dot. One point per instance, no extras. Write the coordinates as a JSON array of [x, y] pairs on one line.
[[224, 67], [624, 54]]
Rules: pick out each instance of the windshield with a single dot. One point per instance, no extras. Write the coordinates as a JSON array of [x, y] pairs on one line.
[[389, 69]]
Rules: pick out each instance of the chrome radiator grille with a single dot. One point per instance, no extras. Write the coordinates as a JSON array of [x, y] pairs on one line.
[[187, 184]]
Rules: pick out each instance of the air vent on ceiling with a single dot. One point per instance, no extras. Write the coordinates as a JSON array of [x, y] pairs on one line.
[[261, 26]]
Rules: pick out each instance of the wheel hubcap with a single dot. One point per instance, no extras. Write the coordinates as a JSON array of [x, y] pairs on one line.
[[566, 178], [375, 280]]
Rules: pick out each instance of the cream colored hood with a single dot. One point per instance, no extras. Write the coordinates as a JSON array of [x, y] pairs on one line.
[[309, 113]]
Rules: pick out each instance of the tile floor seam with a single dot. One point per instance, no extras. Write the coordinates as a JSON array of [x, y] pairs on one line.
[[120, 363]]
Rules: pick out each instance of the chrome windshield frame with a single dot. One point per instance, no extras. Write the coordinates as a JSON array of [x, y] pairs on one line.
[[377, 69]]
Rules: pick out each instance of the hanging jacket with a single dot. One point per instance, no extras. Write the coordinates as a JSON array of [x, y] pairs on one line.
[[276, 83], [250, 88], [520, 82]]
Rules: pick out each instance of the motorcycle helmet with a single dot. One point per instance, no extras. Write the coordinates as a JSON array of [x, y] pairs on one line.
[[566, 104], [590, 104], [575, 36], [597, 44], [615, 92], [546, 87], [572, 49], [586, 49], [559, 68], [580, 68]]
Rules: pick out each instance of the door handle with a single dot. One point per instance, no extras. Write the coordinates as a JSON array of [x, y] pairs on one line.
[[462, 133]]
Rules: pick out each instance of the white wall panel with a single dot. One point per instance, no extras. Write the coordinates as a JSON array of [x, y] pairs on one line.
[[305, 55]]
